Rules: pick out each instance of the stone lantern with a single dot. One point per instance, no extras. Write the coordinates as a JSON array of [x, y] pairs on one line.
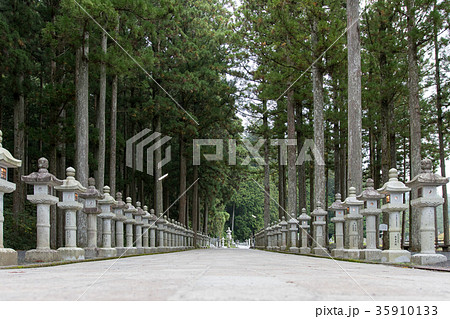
[[319, 230], [394, 191], [106, 216], [8, 256], [229, 237], [145, 230], [160, 226], [119, 218], [371, 198], [153, 227], [284, 231], [70, 189], [43, 183], [293, 230], [138, 227], [91, 197], [129, 222], [278, 235], [339, 208], [268, 232], [426, 203], [303, 220], [352, 218], [166, 232]]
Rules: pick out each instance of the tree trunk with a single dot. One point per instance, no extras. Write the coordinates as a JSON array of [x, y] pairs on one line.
[[82, 128], [166, 201], [414, 113], [266, 169], [441, 132], [281, 187], [195, 205], [266, 172], [113, 137], [101, 121], [182, 200], [319, 168], [113, 131], [354, 97], [158, 171], [291, 150], [301, 168], [19, 195], [205, 217]]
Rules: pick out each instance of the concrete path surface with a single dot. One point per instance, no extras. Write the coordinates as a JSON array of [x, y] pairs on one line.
[[223, 274]]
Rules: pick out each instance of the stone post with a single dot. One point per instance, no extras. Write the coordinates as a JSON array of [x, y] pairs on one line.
[[166, 233], [43, 183], [70, 205], [152, 222], [371, 198], [426, 202], [91, 197], [394, 191], [229, 237], [339, 208], [278, 235], [268, 231], [320, 236], [105, 206], [293, 229], [284, 230], [145, 230], [304, 219], [353, 219], [129, 222], [119, 219], [160, 225], [178, 230], [8, 256], [139, 223]]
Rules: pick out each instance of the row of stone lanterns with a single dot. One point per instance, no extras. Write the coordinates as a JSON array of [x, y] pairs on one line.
[[145, 232], [366, 205]]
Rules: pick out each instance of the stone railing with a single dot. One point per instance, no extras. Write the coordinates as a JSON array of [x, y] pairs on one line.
[[295, 235], [127, 229]]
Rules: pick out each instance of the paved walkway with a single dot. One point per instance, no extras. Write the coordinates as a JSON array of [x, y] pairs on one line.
[[223, 274]]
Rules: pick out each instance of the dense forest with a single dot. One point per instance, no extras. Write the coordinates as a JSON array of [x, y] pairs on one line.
[[369, 86]]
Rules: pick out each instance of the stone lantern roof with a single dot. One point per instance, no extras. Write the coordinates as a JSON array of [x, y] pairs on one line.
[[427, 177], [70, 184], [393, 185], [120, 204], [107, 198], [146, 213], [304, 216], [91, 191], [337, 204], [319, 211], [370, 193], [351, 199], [152, 215], [139, 211], [42, 176], [6, 159]]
